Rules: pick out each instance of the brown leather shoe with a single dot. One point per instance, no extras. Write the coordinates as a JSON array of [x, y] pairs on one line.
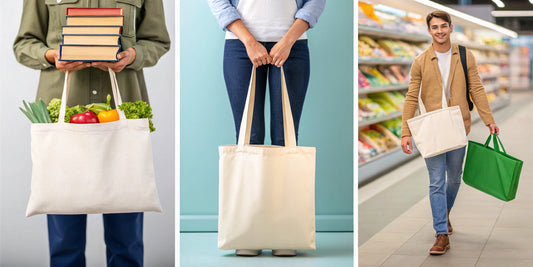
[[450, 228], [442, 243]]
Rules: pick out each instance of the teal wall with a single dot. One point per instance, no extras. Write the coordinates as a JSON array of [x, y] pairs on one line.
[[326, 123]]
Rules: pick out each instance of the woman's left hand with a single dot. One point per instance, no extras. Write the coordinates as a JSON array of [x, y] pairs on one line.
[[125, 58], [280, 52]]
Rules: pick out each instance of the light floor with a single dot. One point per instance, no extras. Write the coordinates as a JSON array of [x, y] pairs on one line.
[[395, 225], [333, 249]]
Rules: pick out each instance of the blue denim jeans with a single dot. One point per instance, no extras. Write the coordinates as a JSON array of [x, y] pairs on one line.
[[123, 237], [445, 172], [237, 72]]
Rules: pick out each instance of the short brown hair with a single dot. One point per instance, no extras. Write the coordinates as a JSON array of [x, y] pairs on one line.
[[439, 14]]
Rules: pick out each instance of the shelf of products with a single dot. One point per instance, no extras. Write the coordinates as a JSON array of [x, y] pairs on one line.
[[519, 67], [388, 42]]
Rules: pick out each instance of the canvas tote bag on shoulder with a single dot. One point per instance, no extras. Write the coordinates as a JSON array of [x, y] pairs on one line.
[[92, 168], [266, 193], [438, 131]]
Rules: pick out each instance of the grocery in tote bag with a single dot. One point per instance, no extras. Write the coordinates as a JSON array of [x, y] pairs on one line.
[[438, 131], [266, 193], [492, 170], [92, 168]]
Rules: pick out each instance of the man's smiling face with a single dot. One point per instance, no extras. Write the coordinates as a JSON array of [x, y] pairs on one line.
[[440, 30]]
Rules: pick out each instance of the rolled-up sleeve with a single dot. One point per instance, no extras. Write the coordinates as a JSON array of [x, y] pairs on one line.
[[311, 11], [224, 12], [30, 44]]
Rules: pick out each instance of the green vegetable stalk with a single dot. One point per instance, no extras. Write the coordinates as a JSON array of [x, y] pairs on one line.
[[36, 112]]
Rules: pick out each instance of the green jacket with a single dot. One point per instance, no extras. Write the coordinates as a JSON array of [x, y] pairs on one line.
[[40, 30]]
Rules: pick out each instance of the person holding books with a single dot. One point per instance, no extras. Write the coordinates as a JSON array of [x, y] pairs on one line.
[[144, 39], [266, 35]]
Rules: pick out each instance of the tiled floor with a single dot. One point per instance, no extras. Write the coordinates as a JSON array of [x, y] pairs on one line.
[[333, 249], [487, 231]]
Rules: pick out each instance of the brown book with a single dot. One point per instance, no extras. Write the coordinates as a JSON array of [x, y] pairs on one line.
[[94, 39], [95, 20], [89, 52], [83, 11], [80, 29]]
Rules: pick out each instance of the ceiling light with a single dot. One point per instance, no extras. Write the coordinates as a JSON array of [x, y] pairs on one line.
[[512, 13], [500, 4], [470, 18], [531, 1]]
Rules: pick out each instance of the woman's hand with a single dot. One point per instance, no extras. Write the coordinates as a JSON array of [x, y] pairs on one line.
[[280, 52], [52, 56], [125, 58], [257, 53], [494, 129], [407, 145]]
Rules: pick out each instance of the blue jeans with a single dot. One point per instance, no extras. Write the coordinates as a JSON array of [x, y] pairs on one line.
[[445, 172], [237, 72], [122, 235]]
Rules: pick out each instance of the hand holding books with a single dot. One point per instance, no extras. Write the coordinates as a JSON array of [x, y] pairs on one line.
[[125, 58]]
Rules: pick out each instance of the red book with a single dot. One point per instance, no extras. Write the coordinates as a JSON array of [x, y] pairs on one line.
[[76, 11]]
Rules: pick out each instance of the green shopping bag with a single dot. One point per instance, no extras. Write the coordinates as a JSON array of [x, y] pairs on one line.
[[492, 170]]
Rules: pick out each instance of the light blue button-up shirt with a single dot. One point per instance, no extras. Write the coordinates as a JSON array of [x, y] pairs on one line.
[[225, 11]]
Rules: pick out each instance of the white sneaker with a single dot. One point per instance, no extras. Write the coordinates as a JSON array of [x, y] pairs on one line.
[[284, 252], [247, 252]]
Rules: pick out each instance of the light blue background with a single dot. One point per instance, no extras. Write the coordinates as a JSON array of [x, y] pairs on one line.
[[326, 123]]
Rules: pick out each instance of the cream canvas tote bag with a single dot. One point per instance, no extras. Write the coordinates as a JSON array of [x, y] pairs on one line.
[[92, 168], [438, 131], [266, 193]]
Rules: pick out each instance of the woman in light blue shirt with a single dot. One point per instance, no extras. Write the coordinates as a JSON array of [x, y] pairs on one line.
[[266, 34]]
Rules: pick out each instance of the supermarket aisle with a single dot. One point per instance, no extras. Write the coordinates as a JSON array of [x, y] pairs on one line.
[[487, 231]]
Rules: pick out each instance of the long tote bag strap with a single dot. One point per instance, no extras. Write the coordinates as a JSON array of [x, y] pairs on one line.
[[421, 106], [247, 116], [114, 89]]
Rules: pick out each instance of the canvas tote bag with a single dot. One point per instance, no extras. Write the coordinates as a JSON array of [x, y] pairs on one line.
[[92, 168], [492, 170], [438, 131], [266, 193]]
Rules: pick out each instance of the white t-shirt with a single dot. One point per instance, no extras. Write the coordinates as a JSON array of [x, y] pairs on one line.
[[267, 20], [444, 60]]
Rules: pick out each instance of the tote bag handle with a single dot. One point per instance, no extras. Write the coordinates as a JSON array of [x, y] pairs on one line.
[[247, 116], [114, 89], [497, 143]]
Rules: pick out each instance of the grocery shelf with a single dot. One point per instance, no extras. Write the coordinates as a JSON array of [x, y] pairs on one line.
[[383, 88], [492, 61], [380, 119], [493, 75], [382, 164], [389, 34], [492, 87], [500, 103], [385, 61], [484, 47]]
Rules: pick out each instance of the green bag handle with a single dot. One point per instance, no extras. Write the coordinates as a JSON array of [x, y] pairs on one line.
[[496, 142]]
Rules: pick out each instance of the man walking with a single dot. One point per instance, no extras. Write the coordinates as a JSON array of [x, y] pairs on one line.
[[436, 68]]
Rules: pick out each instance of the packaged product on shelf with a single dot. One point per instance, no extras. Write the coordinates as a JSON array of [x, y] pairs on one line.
[[387, 97], [394, 125], [386, 105], [387, 72], [401, 73], [397, 49], [377, 140], [365, 151], [374, 76], [370, 48], [367, 16], [363, 81], [387, 133], [367, 105], [365, 114]]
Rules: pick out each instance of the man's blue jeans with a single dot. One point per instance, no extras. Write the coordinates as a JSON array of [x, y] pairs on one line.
[[237, 72], [123, 235], [445, 172]]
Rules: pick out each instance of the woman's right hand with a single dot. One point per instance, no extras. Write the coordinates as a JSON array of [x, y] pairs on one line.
[[258, 54], [53, 57]]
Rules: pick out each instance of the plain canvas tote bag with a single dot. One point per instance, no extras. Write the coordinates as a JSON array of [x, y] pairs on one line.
[[92, 168], [438, 131], [266, 193]]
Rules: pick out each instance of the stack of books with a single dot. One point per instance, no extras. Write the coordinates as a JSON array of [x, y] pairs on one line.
[[92, 34]]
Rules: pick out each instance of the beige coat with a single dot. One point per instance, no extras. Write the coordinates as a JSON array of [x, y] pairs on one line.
[[425, 70]]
